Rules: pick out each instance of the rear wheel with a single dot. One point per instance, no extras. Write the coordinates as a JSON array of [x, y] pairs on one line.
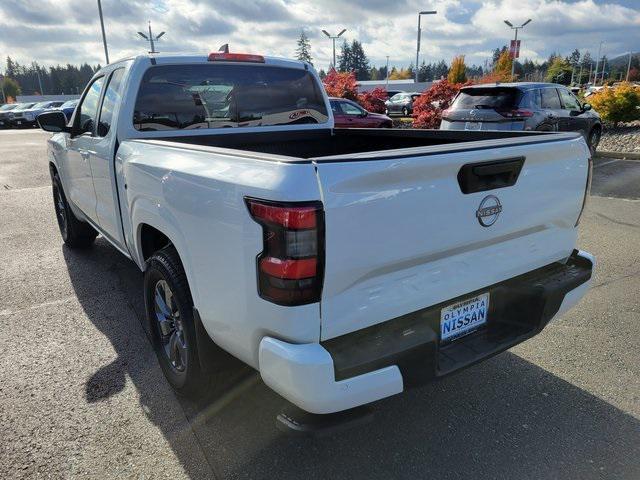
[[75, 233], [594, 139], [169, 310]]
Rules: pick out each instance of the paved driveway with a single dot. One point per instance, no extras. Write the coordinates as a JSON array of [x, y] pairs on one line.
[[81, 394]]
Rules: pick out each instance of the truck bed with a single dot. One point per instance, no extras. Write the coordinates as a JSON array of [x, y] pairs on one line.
[[325, 144]]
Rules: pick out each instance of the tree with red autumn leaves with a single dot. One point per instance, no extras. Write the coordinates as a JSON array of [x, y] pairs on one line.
[[428, 107], [341, 84], [344, 85], [373, 101]]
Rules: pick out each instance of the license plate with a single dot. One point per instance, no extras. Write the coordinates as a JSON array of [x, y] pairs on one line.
[[473, 125], [463, 317], [19, 122]]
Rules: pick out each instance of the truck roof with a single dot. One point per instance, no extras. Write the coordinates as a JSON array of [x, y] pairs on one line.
[[173, 58]]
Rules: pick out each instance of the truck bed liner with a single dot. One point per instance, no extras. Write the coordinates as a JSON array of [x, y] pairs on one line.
[[307, 144]]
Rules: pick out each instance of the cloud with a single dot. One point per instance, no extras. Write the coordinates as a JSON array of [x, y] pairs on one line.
[[68, 31]]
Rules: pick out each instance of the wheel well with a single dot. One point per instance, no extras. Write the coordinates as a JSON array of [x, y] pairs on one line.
[[52, 169], [152, 240], [595, 128]]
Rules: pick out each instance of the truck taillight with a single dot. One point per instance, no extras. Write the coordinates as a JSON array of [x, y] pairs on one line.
[[291, 265], [587, 190]]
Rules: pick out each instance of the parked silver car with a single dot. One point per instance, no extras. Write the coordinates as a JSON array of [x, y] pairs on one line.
[[401, 103]]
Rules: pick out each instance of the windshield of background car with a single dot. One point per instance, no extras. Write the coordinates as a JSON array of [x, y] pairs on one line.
[[493, 98], [41, 105], [69, 104], [213, 96], [8, 106]]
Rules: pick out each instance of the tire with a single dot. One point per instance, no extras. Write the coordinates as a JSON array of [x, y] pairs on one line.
[[594, 139], [169, 309], [76, 234]]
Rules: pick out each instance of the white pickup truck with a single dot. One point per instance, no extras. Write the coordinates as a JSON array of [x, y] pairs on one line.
[[345, 265]]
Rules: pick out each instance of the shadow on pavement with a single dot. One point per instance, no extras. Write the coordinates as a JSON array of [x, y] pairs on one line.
[[505, 418]]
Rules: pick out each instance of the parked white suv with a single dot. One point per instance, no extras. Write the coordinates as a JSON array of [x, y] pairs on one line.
[[344, 265]]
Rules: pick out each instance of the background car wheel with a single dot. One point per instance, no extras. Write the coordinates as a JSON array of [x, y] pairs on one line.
[[169, 309], [75, 233], [594, 139]]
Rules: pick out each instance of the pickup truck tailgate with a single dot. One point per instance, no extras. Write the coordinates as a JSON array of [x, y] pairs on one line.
[[401, 235]]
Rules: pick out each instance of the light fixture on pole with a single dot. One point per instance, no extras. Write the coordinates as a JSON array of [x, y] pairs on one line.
[[333, 38], [427, 12], [515, 46], [151, 38], [104, 36]]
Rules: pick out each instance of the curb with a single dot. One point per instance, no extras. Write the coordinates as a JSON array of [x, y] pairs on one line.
[[621, 155]]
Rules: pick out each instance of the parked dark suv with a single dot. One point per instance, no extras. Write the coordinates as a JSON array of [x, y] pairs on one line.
[[522, 106]]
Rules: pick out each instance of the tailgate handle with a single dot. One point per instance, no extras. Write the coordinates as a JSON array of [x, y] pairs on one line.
[[480, 177]]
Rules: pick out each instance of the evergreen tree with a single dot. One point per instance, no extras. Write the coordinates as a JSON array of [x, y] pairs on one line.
[[303, 52], [422, 72], [440, 70], [344, 58], [359, 61]]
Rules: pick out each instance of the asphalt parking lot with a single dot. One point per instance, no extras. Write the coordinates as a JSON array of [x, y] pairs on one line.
[[81, 394]]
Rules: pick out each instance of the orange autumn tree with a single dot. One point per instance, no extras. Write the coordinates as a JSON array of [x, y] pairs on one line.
[[458, 70], [341, 84], [373, 101], [428, 107]]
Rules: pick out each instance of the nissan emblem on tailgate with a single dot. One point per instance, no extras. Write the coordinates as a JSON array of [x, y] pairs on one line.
[[489, 210]]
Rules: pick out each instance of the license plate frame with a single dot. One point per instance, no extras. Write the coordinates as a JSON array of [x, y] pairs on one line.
[[464, 317]]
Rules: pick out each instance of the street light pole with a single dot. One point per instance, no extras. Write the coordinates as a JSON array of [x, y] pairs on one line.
[[595, 75], [515, 43], [37, 69], [104, 36], [628, 66], [333, 38], [387, 86], [429, 12]]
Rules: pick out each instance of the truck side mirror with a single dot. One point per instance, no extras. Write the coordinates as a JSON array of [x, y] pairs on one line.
[[53, 122], [586, 107]]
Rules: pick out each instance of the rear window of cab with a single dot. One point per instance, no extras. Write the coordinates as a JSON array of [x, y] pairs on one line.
[[205, 96]]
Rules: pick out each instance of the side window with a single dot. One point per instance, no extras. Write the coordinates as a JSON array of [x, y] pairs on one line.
[[88, 109], [335, 108], [569, 101], [550, 99], [112, 97], [532, 99], [350, 109]]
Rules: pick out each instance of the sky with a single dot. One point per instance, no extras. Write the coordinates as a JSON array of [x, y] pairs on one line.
[[68, 31]]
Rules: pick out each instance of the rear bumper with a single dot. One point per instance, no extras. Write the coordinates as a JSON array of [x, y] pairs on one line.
[[382, 360]]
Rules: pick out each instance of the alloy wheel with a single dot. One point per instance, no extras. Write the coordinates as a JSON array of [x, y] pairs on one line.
[[170, 327]]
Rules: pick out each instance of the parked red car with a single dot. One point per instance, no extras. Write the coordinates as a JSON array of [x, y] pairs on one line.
[[348, 114]]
